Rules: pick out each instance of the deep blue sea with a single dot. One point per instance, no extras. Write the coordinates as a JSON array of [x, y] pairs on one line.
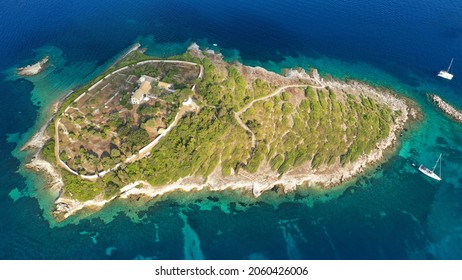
[[392, 212]]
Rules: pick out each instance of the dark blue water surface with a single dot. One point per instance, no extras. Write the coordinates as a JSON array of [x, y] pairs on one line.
[[391, 213]]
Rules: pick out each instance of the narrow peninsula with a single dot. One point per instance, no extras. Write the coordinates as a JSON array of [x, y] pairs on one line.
[[149, 126]]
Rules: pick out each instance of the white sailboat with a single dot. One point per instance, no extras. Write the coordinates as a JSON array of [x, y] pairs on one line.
[[431, 173], [445, 74]]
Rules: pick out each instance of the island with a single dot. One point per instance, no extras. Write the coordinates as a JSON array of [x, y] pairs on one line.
[[447, 108], [149, 126], [34, 69]]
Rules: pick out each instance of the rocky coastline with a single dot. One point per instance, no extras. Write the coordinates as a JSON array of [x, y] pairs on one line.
[[264, 179], [448, 109]]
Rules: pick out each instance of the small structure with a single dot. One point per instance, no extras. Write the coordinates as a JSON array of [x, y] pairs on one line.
[[192, 105], [139, 94], [145, 86], [146, 78], [166, 86], [131, 79]]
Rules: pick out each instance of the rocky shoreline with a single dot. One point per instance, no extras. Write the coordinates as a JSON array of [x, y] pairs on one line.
[[264, 179], [55, 180], [446, 108], [34, 69]]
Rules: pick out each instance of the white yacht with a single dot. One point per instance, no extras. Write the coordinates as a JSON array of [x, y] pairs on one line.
[[445, 73], [431, 173]]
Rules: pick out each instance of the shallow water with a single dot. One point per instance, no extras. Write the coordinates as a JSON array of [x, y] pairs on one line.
[[392, 212]]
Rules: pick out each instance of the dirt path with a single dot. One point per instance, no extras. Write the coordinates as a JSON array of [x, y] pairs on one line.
[[141, 153], [201, 68], [61, 163], [237, 115], [145, 150]]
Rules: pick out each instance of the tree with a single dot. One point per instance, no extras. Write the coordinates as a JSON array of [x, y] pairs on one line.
[[138, 138], [115, 153]]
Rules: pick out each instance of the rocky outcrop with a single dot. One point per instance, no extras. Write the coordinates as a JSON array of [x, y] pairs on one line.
[[34, 69], [38, 140], [65, 207], [195, 50], [445, 107], [55, 181]]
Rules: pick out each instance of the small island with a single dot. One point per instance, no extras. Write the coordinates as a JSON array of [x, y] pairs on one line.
[[447, 108], [148, 126], [34, 69]]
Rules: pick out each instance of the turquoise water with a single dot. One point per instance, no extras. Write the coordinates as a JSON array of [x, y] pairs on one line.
[[392, 212]]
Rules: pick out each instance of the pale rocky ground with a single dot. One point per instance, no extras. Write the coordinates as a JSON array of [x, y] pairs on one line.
[[33, 69]]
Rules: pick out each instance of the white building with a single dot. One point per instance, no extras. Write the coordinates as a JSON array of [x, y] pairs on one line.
[[140, 93], [145, 86]]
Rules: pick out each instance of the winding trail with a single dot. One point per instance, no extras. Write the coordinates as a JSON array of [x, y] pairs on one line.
[[237, 115], [143, 151], [146, 149], [201, 70], [58, 159]]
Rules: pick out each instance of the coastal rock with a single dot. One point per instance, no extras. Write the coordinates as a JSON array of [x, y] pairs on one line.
[[62, 207], [195, 50], [34, 69], [315, 75], [297, 74], [65, 207], [300, 74], [446, 108], [38, 140], [54, 178]]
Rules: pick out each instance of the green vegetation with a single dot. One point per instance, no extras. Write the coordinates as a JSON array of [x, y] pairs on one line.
[[132, 58], [81, 189], [300, 126], [229, 92], [105, 119], [315, 131], [48, 151]]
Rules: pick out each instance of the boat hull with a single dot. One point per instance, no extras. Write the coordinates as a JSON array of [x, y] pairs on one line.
[[445, 75], [429, 173]]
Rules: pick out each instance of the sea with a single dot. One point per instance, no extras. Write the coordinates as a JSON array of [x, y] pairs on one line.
[[390, 212]]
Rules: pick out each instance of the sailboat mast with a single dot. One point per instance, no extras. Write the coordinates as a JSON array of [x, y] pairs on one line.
[[440, 166], [436, 163], [450, 64]]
